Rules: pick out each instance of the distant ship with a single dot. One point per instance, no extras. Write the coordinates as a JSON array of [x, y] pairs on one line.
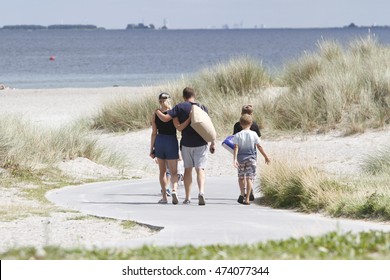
[[133, 26], [140, 26]]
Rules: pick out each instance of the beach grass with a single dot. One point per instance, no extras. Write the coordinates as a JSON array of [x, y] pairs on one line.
[[291, 185], [372, 245], [223, 88], [378, 162], [335, 87], [238, 77], [348, 88], [368, 198], [27, 147], [29, 155], [125, 115]]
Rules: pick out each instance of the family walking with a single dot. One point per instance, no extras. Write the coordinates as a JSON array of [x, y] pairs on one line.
[[164, 147]]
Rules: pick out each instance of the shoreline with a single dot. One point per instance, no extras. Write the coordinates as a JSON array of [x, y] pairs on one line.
[[58, 106]]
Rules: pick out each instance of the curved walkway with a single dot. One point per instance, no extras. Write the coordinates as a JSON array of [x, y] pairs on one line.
[[221, 221]]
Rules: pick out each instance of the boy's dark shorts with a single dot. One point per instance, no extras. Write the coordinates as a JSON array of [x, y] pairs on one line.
[[247, 169]]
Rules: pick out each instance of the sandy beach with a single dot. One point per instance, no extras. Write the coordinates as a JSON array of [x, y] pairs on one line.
[[330, 152]]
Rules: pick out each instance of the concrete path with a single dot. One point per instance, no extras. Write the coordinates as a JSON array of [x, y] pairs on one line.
[[222, 220]]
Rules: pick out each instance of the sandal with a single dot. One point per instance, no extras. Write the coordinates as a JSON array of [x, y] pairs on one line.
[[162, 201]]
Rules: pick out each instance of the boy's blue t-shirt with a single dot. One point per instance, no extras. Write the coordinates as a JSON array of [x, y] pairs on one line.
[[190, 138], [246, 141]]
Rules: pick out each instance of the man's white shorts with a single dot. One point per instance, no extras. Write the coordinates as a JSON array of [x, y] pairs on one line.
[[194, 156]]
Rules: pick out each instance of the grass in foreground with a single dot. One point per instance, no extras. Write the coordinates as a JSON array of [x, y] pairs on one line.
[[332, 246]]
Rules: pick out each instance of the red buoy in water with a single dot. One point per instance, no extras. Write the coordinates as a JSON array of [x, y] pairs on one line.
[[52, 58]]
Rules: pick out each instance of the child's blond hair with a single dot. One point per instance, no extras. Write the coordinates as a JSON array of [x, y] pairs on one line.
[[245, 120]]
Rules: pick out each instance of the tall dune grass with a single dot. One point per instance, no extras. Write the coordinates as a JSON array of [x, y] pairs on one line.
[[239, 76], [369, 198], [288, 184], [378, 162], [337, 87], [24, 146], [126, 114], [223, 88], [293, 185]]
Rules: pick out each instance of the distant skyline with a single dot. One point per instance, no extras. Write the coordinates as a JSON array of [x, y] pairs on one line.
[[192, 14]]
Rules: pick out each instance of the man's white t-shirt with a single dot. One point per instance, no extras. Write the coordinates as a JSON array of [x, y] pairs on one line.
[[246, 141]]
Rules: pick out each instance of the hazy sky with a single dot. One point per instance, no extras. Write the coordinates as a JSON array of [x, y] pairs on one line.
[[116, 14]]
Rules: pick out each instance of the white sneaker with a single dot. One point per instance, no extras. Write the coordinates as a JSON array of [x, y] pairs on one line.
[[174, 198]]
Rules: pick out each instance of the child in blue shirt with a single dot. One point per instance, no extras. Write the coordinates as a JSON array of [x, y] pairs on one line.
[[245, 158]]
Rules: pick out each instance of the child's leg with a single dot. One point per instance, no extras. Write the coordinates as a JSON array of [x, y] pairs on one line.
[[250, 177], [249, 187], [241, 183], [241, 177]]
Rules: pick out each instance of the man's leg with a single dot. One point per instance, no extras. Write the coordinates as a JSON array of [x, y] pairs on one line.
[[186, 153], [187, 182], [201, 179], [200, 160], [172, 164]]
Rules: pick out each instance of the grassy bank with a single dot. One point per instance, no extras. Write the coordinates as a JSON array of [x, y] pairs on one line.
[[337, 87], [26, 147], [29, 156], [292, 185], [332, 246]]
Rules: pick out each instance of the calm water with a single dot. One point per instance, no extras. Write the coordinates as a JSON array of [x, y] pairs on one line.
[[103, 58]]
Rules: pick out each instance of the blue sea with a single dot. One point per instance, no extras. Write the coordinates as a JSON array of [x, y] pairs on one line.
[[105, 58]]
